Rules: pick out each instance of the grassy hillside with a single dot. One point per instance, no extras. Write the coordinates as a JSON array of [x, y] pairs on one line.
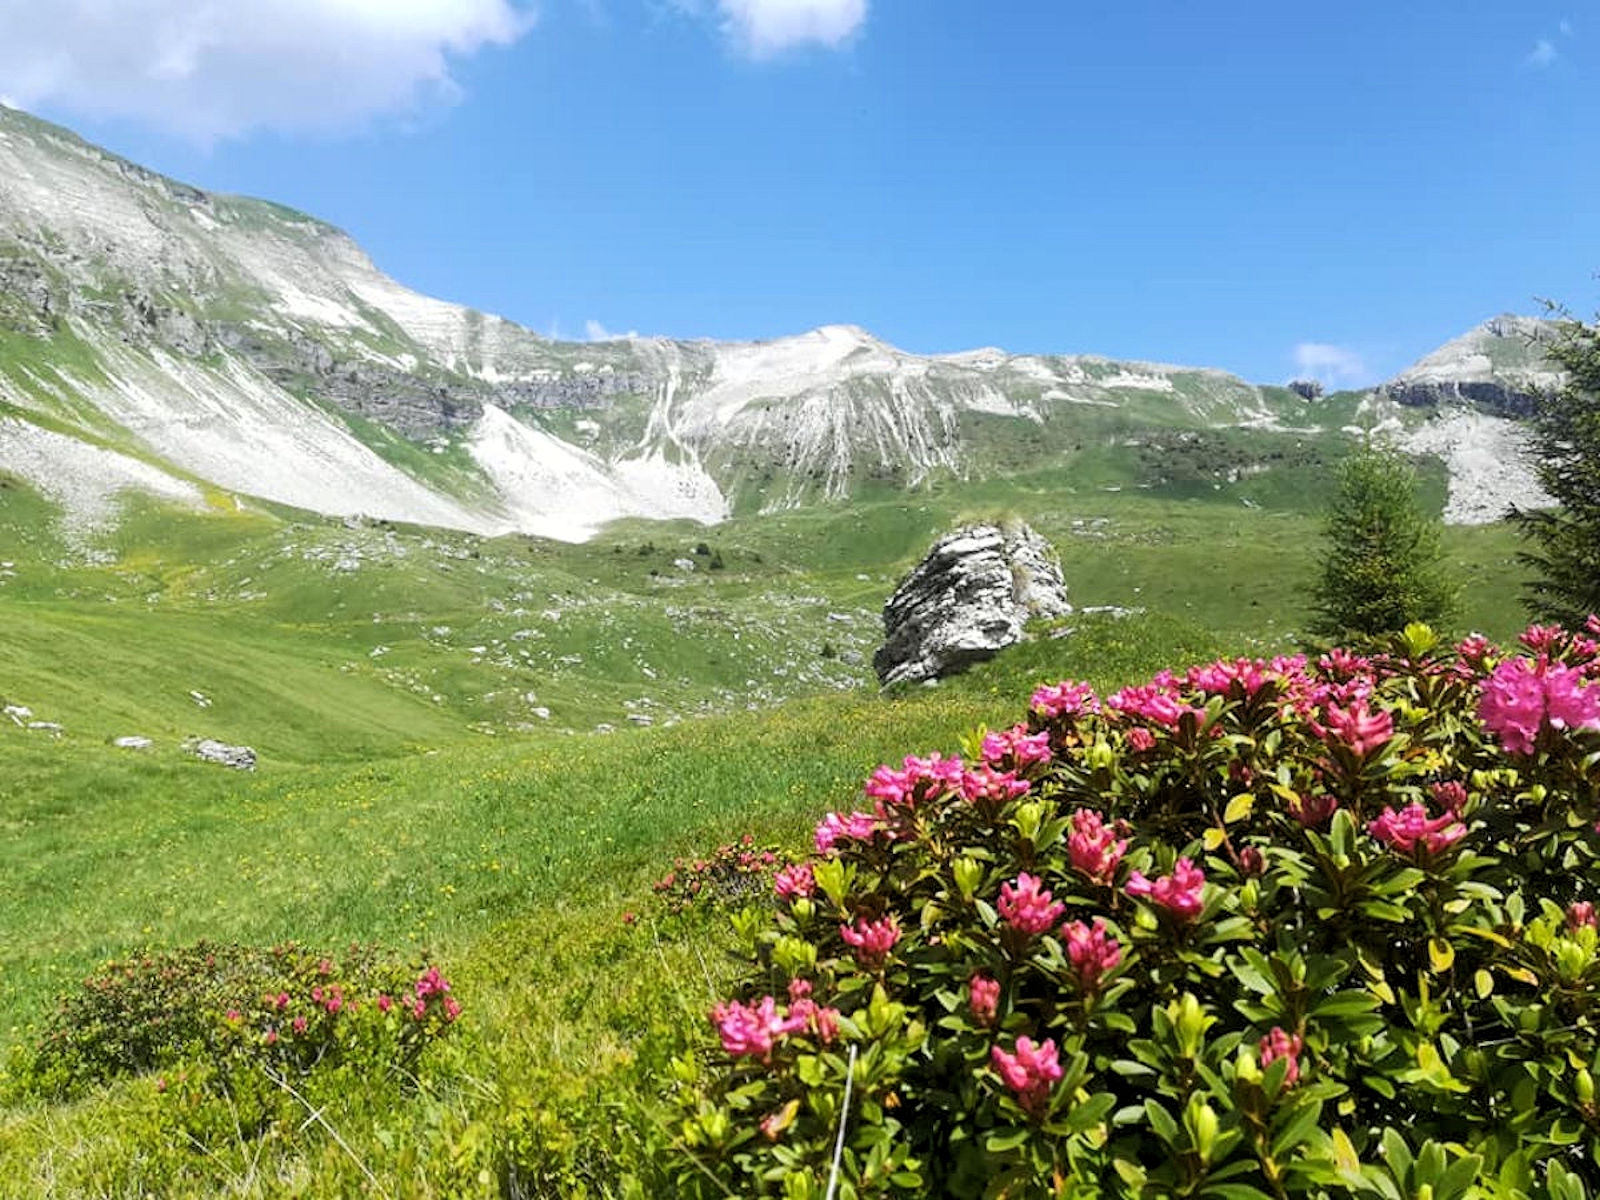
[[411, 794]]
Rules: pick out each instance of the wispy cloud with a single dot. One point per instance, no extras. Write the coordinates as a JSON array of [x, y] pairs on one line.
[[1332, 366], [765, 28], [1542, 55], [209, 70]]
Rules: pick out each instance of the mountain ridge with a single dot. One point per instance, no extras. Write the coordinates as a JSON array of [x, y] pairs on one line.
[[261, 350]]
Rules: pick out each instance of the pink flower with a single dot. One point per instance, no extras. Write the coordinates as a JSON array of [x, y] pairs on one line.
[[1030, 1073], [989, 788], [1312, 811], [1091, 951], [918, 780], [1411, 829], [858, 826], [1141, 740], [1252, 862], [1065, 699], [1094, 848], [794, 880], [1027, 907], [1579, 914], [298, 1024], [452, 1008], [1451, 795], [983, 998], [1181, 893], [233, 1016], [432, 983], [872, 940], [1220, 677], [749, 1030], [419, 1008], [1521, 697], [385, 1004], [1359, 727], [1279, 1044], [1159, 702], [1016, 747], [1473, 649], [1541, 639]]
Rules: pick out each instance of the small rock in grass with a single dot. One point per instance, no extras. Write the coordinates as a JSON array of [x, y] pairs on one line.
[[134, 742], [240, 758]]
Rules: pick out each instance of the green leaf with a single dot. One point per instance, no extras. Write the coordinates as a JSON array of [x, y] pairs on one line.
[[1006, 1139], [1240, 807]]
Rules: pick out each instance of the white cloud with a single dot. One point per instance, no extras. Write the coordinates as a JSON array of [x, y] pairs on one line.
[[1333, 366], [1542, 55], [762, 28], [596, 332], [211, 69]]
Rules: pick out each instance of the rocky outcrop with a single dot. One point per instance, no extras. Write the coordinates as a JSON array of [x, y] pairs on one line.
[[968, 599], [1495, 399], [240, 758]]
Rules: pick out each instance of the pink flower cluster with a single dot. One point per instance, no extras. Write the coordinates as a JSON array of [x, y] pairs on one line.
[[1027, 907], [1029, 1073], [433, 986], [795, 880], [983, 997], [1064, 699], [1357, 726], [1159, 702], [989, 789], [917, 780], [857, 827], [1094, 848], [753, 1030], [1523, 696], [1249, 675], [1016, 747], [1182, 893], [872, 940], [1411, 830], [1579, 914], [1091, 950], [1279, 1044]]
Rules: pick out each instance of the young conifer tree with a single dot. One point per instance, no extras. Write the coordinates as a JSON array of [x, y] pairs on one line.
[[1382, 567], [1565, 440]]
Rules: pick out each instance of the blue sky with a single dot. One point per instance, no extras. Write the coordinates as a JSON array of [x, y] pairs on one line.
[[1276, 189]]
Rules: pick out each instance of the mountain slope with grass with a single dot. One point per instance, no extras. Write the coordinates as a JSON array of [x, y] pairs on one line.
[[157, 338]]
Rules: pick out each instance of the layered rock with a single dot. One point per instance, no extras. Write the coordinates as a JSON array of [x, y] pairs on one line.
[[971, 597]]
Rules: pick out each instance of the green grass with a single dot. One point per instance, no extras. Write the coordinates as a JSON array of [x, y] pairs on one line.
[[407, 794]]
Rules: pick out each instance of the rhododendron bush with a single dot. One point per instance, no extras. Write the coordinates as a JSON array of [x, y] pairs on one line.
[[1258, 928]]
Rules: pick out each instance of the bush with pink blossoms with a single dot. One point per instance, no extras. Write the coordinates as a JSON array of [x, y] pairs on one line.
[[242, 1025], [1255, 929], [730, 875]]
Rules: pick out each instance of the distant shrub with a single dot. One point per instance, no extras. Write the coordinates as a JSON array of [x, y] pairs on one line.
[[730, 876], [1258, 929], [241, 1016]]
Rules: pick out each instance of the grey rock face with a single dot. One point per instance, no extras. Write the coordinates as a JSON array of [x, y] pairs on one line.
[[967, 600], [240, 758], [1496, 399]]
